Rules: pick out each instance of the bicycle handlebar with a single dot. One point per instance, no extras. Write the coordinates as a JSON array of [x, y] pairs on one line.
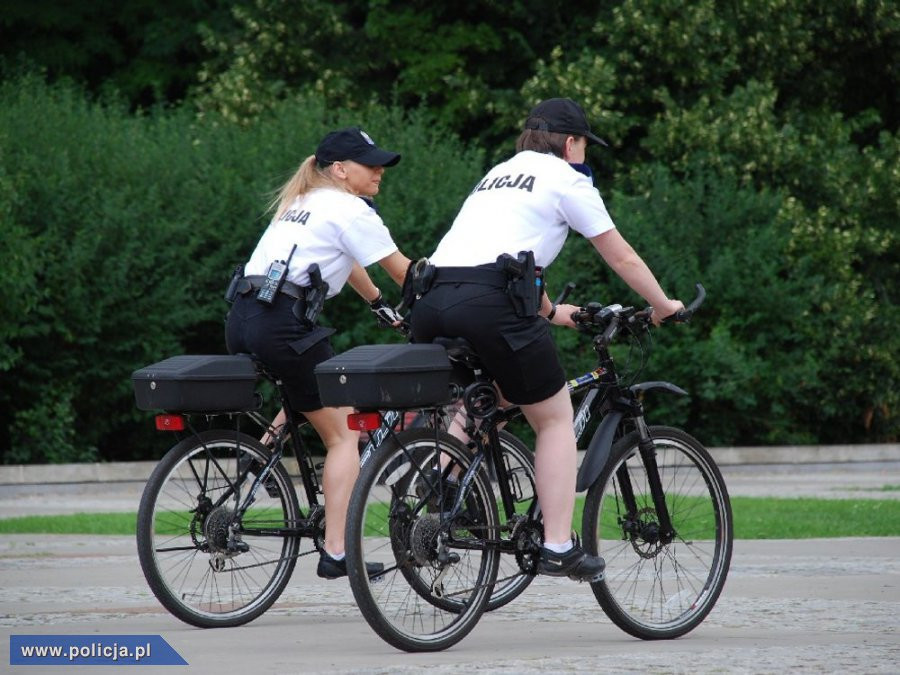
[[684, 315], [610, 317]]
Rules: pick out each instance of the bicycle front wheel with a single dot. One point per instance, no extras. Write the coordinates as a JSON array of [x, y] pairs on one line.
[[439, 569], [659, 587], [207, 567]]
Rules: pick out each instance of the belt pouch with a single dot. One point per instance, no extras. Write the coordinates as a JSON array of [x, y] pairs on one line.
[[232, 291]]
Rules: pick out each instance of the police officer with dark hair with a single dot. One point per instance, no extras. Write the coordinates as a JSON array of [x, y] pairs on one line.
[[325, 231], [528, 204]]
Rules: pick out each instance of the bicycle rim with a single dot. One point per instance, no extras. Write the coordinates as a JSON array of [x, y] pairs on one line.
[[438, 571], [199, 567], [652, 589]]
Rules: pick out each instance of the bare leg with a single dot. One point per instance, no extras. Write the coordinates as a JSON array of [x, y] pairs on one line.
[[555, 462], [341, 470], [277, 423]]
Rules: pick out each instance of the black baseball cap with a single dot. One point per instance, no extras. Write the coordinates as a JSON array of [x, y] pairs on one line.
[[354, 144], [561, 115]]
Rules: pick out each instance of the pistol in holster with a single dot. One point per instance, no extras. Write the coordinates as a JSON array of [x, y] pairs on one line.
[[524, 285], [417, 282], [308, 308]]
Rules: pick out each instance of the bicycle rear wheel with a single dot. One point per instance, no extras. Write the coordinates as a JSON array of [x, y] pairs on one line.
[[203, 566], [439, 572], [653, 589], [520, 529]]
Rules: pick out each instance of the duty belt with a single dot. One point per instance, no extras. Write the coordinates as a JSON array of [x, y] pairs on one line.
[[254, 282], [471, 275]]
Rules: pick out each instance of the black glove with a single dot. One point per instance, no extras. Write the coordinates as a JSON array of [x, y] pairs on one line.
[[385, 315]]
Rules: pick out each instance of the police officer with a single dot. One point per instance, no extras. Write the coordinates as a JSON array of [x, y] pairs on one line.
[[528, 203], [324, 216]]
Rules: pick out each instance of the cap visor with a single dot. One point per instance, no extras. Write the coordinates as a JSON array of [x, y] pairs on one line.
[[595, 140], [378, 157]]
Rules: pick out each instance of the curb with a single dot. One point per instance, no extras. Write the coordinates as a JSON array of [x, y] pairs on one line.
[[121, 472]]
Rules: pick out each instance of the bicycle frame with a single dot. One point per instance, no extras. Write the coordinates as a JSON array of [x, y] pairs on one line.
[[605, 397]]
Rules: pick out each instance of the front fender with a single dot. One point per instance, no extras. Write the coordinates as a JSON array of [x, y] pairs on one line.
[[598, 451]]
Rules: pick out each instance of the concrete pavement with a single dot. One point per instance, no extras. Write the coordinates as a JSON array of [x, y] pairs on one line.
[[808, 606], [815, 606]]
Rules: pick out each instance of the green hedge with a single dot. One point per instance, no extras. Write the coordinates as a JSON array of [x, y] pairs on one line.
[[118, 233], [118, 236]]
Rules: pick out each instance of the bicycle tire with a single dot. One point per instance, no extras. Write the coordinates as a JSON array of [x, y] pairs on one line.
[[511, 579], [421, 602], [181, 532], [653, 590]]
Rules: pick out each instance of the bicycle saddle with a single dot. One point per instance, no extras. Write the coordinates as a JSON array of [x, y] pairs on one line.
[[460, 350]]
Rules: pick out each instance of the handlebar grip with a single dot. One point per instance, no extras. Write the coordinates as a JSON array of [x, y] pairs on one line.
[[684, 315]]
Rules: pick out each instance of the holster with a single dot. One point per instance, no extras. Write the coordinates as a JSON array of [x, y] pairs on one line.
[[417, 282], [525, 283], [308, 307]]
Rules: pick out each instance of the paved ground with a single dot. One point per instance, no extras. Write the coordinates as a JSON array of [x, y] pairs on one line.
[[813, 606], [802, 606]]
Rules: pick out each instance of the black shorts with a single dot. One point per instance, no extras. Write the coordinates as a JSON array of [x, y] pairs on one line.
[[519, 353], [287, 347]]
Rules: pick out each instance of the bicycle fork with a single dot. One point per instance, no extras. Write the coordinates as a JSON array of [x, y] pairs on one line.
[[660, 532]]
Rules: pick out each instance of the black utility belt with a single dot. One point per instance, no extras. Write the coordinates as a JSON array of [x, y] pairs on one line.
[[470, 275], [519, 277], [255, 282]]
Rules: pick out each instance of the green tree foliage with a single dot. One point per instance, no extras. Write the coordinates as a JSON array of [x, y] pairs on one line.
[[119, 235], [754, 148], [793, 228], [462, 59], [148, 50]]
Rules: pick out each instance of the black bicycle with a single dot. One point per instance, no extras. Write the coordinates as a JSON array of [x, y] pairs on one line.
[[220, 524], [657, 508]]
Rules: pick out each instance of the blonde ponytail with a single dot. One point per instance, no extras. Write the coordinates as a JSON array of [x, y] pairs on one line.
[[307, 177]]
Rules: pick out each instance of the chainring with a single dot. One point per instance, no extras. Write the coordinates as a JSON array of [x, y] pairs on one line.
[[528, 537]]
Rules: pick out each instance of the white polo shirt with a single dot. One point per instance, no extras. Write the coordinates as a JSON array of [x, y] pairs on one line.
[[330, 227], [527, 203]]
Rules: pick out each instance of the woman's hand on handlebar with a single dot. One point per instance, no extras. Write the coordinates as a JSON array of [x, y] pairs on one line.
[[563, 315], [667, 309]]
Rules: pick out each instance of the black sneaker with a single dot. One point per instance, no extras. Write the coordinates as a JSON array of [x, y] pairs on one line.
[[574, 563], [329, 568]]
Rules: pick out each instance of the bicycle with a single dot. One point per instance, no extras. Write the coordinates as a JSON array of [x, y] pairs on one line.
[[220, 524], [657, 509]]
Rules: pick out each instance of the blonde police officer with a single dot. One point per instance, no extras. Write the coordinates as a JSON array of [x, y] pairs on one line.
[[529, 203], [324, 216]]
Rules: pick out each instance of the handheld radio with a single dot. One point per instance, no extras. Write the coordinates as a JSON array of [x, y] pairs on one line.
[[275, 276]]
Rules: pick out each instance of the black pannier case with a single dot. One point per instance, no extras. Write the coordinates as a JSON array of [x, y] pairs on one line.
[[197, 383], [373, 377]]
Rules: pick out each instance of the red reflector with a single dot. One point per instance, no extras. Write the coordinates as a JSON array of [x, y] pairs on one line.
[[364, 421], [169, 423]]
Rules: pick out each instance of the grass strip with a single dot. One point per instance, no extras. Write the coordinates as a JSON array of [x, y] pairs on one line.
[[754, 518]]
